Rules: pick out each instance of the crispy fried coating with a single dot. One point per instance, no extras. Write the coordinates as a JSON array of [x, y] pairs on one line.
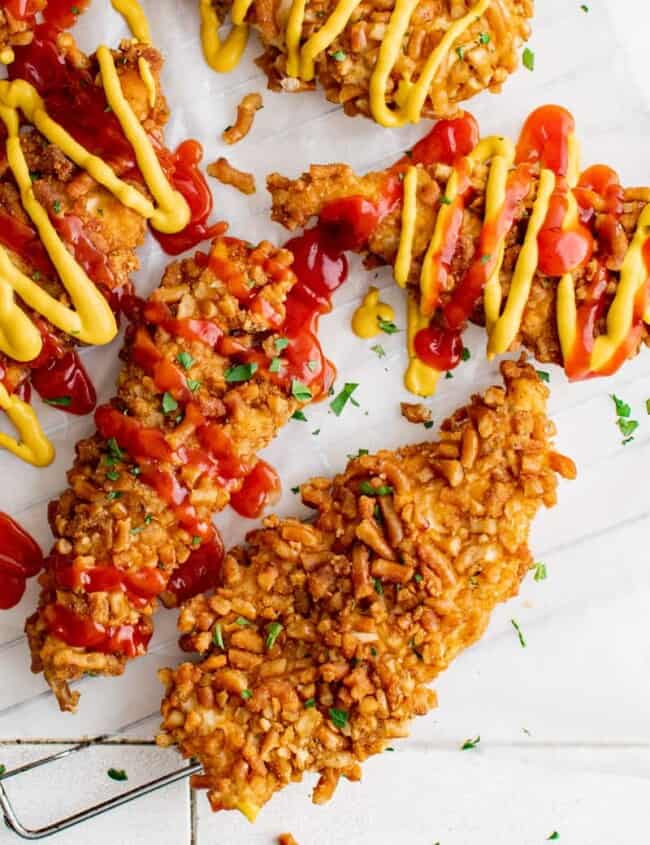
[[317, 650], [111, 515], [296, 201], [82, 210], [17, 31], [481, 60]]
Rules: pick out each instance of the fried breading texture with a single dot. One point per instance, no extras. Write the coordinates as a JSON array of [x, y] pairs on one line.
[[481, 60], [110, 515], [296, 201], [317, 650]]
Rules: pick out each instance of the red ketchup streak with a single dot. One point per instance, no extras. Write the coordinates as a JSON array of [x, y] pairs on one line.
[[64, 383], [83, 632], [261, 487], [200, 572], [20, 559]]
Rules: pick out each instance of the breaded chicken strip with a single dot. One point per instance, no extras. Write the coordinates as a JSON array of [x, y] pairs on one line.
[[197, 399], [591, 237], [340, 45], [317, 649]]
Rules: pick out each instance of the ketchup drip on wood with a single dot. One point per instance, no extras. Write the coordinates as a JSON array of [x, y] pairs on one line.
[[20, 558]]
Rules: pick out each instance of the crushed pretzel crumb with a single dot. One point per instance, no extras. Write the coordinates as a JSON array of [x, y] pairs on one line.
[[286, 839], [415, 412], [223, 170], [245, 116]]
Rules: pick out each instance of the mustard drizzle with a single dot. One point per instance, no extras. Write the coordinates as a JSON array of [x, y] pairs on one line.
[[223, 56], [135, 18]]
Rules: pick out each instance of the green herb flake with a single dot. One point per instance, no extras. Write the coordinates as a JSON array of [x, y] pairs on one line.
[[379, 350], [112, 495], [339, 717], [273, 633], [298, 415], [240, 372], [444, 200], [113, 475], [340, 401], [470, 743], [543, 376], [311, 702], [368, 489], [60, 401], [647, 407], [540, 571], [274, 366], [185, 360], [515, 625], [553, 837], [528, 59], [117, 774], [339, 55], [465, 354], [627, 427], [449, 375], [280, 343], [312, 365], [387, 326], [243, 623], [484, 38], [428, 423], [379, 588], [196, 541], [460, 52], [168, 403], [584, 7], [3, 769], [300, 391], [389, 748], [193, 384], [418, 577], [246, 694], [56, 206], [217, 636], [622, 408], [295, 489]]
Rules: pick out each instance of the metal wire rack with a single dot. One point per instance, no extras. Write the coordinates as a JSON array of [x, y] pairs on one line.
[[16, 825]]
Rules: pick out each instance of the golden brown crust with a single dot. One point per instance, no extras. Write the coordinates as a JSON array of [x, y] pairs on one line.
[[316, 651], [481, 60], [296, 201], [109, 516]]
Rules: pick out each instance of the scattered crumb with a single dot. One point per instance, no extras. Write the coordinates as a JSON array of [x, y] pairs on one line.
[[415, 412], [245, 116], [223, 170], [286, 839]]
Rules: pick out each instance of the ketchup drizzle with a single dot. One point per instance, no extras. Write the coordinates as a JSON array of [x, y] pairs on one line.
[[20, 558]]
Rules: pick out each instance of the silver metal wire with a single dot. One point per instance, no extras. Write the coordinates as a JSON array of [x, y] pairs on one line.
[[14, 823]]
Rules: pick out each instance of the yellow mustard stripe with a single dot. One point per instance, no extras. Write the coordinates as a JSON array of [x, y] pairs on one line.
[[621, 312], [506, 327], [427, 301], [567, 315], [33, 446], [407, 232], [365, 320], [149, 82], [172, 213], [221, 56], [321, 40], [6, 56], [419, 378], [135, 18], [293, 34]]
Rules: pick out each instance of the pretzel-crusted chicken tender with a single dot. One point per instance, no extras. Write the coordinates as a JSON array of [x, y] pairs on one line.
[[196, 401], [316, 650]]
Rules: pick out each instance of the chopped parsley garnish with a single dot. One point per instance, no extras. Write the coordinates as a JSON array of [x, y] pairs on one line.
[[515, 625], [465, 354], [196, 541], [300, 391], [543, 376], [540, 571], [313, 365], [112, 475], [647, 407], [444, 200], [315, 432], [114, 451], [168, 403], [272, 634], [240, 372], [428, 423], [185, 360], [280, 343], [3, 769], [449, 375], [626, 426], [60, 401], [359, 454], [117, 774], [339, 55], [311, 702], [470, 743], [373, 651], [217, 636], [193, 384], [528, 59], [339, 402], [295, 489], [243, 623], [112, 495], [418, 577], [369, 489], [379, 588], [380, 352], [460, 52], [298, 415], [387, 326], [274, 366], [246, 694], [485, 258], [484, 38], [339, 717], [390, 748], [555, 835], [56, 206]]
